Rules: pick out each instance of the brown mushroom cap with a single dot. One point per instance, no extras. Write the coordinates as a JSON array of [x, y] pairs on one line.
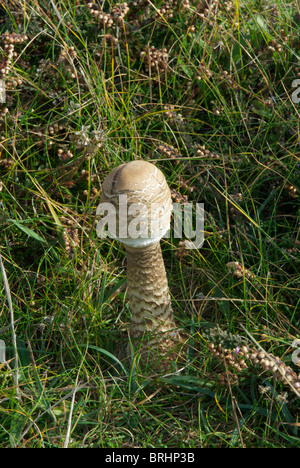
[[140, 194]]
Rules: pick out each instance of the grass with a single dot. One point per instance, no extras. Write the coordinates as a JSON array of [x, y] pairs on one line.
[[86, 102]]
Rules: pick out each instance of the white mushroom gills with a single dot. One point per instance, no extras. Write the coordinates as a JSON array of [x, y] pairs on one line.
[[153, 328]]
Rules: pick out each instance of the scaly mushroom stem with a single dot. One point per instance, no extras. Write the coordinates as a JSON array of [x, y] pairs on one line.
[[148, 292]]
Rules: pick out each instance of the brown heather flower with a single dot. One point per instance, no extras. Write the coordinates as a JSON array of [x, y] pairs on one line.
[[71, 241], [169, 151], [85, 175], [66, 57], [14, 38], [104, 19], [292, 191], [7, 164], [166, 11], [293, 250], [274, 46], [70, 236], [139, 3], [168, 8], [55, 128], [209, 10], [94, 192], [3, 112], [283, 35], [202, 152], [204, 72], [120, 11], [225, 76], [10, 55], [110, 39], [172, 115], [13, 83], [65, 54], [185, 4], [239, 271], [5, 65], [185, 185], [155, 60], [182, 251], [177, 197], [228, 356], [243, 356], [64, 155]]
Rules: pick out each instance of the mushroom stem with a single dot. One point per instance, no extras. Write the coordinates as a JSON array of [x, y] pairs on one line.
[[148, 293]]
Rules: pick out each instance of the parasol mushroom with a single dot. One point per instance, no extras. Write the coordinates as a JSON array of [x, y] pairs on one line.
[[140, 199]]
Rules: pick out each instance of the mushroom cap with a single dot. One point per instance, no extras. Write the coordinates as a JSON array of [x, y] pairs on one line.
[[141, 197]]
